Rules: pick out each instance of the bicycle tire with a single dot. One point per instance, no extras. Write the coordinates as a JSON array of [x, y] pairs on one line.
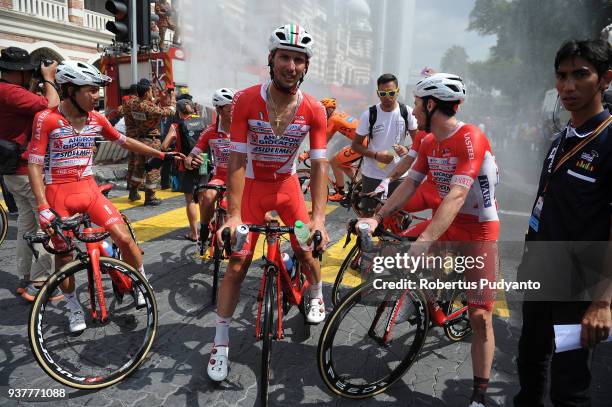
[[3, 224], [217, 257], [329, 358], [65, 370], [337, 292], [461, 328], [266, 347]]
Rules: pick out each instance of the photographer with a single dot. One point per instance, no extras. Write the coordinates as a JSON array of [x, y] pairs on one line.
[[17, 109]]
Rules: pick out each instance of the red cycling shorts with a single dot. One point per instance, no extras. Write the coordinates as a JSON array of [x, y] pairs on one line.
[[477, 240], [425, 197], [82, 196], [285, 197]]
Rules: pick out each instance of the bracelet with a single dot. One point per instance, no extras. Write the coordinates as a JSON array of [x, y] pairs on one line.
[[49, 82], [375, 152]]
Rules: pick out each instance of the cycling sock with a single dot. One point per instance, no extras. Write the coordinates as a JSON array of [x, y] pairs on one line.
[[316, 290], [480, 389], [222, 331], [73, 301], [141, 271], [204, 232]]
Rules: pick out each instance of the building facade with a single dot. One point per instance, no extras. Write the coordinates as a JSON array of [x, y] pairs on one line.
[[57, 29]]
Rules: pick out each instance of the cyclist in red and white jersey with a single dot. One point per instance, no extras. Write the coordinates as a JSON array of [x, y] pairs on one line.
[[216, 139], [459, 160], [63, 141], [269, 123]]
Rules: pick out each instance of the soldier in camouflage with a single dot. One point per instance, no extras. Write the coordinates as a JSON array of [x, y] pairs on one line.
[[142, 121]]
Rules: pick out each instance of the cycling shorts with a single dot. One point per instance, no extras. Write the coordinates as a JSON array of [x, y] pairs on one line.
[[347, 156], [284, 197], [425, 197], [82, 196], [477, 240], [217, 180]]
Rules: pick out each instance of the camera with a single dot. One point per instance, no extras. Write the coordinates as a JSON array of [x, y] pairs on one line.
[[44, 61]]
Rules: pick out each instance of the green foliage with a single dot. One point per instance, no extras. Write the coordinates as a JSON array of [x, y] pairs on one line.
[[529, 33]]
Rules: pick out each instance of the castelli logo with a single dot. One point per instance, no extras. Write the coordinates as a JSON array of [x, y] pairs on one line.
[[179, 54]]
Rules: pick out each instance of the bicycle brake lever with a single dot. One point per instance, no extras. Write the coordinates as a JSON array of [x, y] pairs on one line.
[[350, 227], [316, 241], [226, 235], [31, 246]]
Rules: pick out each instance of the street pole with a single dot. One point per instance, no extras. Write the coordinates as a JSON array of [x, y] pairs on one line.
[[134, 56]]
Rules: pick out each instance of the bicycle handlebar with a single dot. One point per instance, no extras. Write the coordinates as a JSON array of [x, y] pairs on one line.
[[379, 231], [317, 237], [58, 225]]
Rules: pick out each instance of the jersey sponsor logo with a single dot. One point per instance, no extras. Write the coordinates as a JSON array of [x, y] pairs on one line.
[[462, 180], [468, 144], [485, 188], [72, 153]]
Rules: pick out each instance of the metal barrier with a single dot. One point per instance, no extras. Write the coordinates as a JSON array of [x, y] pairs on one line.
[[109, 152]]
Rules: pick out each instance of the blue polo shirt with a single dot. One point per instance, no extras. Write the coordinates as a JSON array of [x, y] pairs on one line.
[[578, 201]]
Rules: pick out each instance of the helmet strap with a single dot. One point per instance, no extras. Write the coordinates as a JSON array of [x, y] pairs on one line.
[[76, 105], [284, 89], [428, 114]]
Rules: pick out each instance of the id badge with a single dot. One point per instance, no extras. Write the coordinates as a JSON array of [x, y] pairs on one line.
[[534, 220]]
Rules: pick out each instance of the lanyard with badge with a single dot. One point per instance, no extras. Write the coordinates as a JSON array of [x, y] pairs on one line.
[[534, 220]]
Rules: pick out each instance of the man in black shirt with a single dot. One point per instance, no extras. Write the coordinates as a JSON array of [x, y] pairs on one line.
[[569, 236]]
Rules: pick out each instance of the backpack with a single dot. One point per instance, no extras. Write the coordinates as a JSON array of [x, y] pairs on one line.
[[374, 113], [190, 130]]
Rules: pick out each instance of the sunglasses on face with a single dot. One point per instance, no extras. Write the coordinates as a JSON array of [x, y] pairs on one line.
[[384, 93]]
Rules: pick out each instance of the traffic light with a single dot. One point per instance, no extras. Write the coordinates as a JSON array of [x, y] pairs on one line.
[[144, 18], [121, 27]]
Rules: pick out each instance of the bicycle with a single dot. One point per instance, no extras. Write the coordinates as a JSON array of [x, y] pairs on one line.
[[118, 336], [384, 330], [215, 224], [293, 291], [353, 186], [347, 277], [3, 224]]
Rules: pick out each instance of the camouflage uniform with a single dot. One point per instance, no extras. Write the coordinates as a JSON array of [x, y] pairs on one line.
[[142, 119]]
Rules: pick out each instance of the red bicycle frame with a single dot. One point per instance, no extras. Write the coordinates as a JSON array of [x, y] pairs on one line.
[[291, 287]]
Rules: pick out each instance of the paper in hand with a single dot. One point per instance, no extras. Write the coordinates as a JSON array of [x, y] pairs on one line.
[[567, 337]]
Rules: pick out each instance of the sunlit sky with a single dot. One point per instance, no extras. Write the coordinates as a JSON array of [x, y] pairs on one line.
[[440, 24]]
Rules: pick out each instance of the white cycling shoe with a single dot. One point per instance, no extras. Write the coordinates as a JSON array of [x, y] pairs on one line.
[[76, 321], [218, 365], [316, 311]]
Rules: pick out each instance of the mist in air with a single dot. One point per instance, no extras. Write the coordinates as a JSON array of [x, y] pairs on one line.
[[504, 50]]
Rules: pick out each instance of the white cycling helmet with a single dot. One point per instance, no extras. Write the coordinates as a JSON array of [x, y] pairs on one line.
[[80, 73], [223, 96], [444, 86], [291, 37]]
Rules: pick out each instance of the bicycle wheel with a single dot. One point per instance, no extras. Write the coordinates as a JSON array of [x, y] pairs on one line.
[[104, 353], [459, 327], [348, 276], [267, 336], [3, 224], [365, 346]]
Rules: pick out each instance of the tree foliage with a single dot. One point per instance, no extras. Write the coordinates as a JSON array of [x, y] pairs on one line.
[[529, 33]]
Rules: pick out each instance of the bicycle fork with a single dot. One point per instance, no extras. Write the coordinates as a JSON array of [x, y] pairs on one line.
[[396, 305], [95, 278]]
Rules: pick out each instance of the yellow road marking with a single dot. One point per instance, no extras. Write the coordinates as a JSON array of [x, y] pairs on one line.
[[159, 225], [122, 202]]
